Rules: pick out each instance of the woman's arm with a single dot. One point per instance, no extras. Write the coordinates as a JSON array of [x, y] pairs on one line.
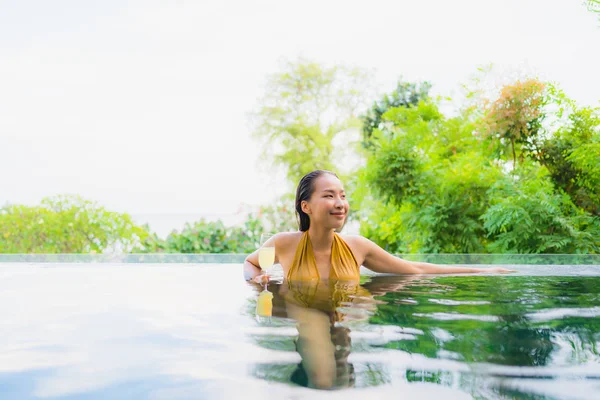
[[379, 260], [252, 269]]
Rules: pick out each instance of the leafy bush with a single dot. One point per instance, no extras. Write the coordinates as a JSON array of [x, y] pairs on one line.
[[206, 237], [433, 184], [214, 237], [528, 216], [66, 224], [572, 155]]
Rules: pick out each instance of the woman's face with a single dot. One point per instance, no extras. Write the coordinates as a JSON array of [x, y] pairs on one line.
[[327, 206]]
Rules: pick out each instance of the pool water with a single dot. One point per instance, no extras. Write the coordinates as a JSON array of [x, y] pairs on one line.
[[133, 331]]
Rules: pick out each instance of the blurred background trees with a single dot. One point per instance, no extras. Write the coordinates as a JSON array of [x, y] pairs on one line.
[[66, 224], [517, 172]]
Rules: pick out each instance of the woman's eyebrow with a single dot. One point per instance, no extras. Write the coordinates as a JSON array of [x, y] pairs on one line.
[[333, 191]]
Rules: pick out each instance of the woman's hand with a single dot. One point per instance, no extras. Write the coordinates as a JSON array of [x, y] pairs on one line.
[[262, 278]]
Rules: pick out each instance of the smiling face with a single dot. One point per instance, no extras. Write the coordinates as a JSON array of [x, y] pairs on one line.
[[327, 207]]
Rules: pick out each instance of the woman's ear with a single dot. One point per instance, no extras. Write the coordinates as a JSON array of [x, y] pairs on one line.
[[305, 207]]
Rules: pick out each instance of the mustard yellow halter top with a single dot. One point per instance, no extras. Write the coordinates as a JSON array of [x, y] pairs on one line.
[[343, 263]]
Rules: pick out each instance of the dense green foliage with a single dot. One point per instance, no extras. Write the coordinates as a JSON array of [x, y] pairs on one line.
[[489, 180], [216, 238], [572, 156], [207, 237], [66, 224], [69, 224], [514, 120], [406, 94]]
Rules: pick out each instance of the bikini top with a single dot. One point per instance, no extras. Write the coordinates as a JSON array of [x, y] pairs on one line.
[[343, 263]]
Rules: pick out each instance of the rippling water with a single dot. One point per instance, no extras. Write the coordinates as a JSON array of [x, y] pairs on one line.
[[172, 331]]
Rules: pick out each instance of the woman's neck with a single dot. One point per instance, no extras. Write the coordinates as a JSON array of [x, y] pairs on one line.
[[321, 239]]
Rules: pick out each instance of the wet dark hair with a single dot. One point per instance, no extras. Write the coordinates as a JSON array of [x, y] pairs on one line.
[[305, 189]]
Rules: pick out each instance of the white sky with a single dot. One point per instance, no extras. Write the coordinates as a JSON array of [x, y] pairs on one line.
[[142, 105]]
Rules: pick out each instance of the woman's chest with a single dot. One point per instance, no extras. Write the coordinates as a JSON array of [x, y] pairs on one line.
[[321, 260], [323, 263]]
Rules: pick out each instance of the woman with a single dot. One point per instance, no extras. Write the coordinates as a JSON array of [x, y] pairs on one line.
[[317, 252]]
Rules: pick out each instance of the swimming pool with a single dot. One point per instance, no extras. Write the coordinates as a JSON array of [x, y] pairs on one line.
[[113, 328]]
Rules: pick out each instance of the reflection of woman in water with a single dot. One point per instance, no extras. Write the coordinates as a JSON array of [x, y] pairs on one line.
[[322, 270], [323, 311], [323, 343]]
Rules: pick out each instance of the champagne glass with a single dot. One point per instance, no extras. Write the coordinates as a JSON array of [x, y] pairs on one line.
[[266, 258], [266, 253]]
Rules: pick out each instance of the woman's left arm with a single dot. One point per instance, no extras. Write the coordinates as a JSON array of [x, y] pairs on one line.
[[379, 260]]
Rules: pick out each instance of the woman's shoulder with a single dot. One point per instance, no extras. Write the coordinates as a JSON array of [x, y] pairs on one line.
[[357, 243], [288, 235], [355, 239], [286, 238], [359, 246]]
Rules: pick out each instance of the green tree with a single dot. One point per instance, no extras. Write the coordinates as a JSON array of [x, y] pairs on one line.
[[66, 224], [406, 94], [428, 182], [572, 156], [434, 184], [515, 119], [307, 106], [207, 237], [527, 215], [214, 237]]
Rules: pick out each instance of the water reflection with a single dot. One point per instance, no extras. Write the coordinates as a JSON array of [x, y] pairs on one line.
[[517, 321], [476, 333], [324, 313], [323, 343]]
